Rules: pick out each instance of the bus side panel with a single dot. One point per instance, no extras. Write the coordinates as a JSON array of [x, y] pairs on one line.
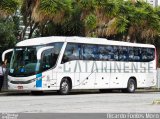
[[118, 80], [102, 80], [49, 80], [65, 70]]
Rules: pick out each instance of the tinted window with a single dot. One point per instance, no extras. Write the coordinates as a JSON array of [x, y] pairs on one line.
[[123, 53], [106, 53], [24, 60], [90, 52], [72, 52], [50, 56], [134, 54], [147, 54], [47, 59], [116, 52], [57, 48]]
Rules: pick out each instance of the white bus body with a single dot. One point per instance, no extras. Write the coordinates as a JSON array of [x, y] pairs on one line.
[[65, 63]]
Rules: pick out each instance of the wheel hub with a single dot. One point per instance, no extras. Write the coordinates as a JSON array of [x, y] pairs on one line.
[[131, 86], [65, 86]]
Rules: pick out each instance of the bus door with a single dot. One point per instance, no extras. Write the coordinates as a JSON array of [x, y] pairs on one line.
[[46, 56]]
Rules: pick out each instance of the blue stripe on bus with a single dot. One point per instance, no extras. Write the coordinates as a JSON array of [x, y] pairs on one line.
[[39, 81]]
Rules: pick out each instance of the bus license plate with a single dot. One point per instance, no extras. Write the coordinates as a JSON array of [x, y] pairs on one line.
[[20, 87]]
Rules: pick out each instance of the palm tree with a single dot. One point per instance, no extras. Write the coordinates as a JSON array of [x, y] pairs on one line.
[[54, 10], [26, 11], [133, 21], [144, 23], [8, 7], [97, 14], [128, 20]]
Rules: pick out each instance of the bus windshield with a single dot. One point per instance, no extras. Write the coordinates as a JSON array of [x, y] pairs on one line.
[[24, 60]]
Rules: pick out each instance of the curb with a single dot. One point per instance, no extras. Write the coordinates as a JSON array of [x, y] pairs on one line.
[[8, 93], [3, 93]]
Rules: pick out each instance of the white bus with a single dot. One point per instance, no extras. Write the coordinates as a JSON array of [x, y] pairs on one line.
[[69, 63]]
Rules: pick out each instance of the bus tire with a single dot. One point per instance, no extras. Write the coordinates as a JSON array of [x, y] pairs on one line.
[[131, 86], [65, 87]]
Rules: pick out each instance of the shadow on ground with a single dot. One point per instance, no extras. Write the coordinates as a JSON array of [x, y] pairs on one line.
[[77, 92]]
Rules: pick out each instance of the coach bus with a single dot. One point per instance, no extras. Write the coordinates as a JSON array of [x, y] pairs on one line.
[[69, 63]]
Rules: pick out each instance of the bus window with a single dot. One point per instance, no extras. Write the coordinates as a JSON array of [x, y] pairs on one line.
[[50, 56], [148, 54], [106, 53], [131, 53], [115, 52], [90, 52], [134, 54], [123, 53], [72, 52], [109, 53], [137, 55], [47, 59]]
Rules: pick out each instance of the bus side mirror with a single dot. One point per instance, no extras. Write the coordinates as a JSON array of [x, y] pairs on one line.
[[5, 53], [41, 50]]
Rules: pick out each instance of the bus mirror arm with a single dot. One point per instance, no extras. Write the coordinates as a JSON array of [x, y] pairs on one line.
[[41, 50], [4, 54]]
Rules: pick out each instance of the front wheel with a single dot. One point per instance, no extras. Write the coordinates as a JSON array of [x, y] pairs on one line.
[[131, 87], [65, 87]]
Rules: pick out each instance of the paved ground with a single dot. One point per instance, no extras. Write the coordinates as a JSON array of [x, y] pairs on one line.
[[91, 102]]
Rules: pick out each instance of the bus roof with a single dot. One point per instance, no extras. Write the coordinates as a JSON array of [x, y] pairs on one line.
[[102, 41]]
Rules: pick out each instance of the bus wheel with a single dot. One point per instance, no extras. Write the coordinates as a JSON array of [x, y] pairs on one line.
[[65, 87], [131, 87]]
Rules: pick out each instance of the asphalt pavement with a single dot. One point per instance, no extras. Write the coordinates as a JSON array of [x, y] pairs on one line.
[[80, 102]]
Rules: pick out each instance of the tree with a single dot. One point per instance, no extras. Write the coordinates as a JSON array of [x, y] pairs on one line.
[[7, 34], [8, 7], [8, 23], [129, 20], [26, 11], [144, 23], [55, 10], [39, 14]]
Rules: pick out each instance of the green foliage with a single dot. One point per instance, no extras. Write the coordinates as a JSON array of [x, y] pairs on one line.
[[110, 7], [8, 7], [88, 5], [53, 6], [90, 21], [53, 9], [104, 18], [122, 23], [7, 34]]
